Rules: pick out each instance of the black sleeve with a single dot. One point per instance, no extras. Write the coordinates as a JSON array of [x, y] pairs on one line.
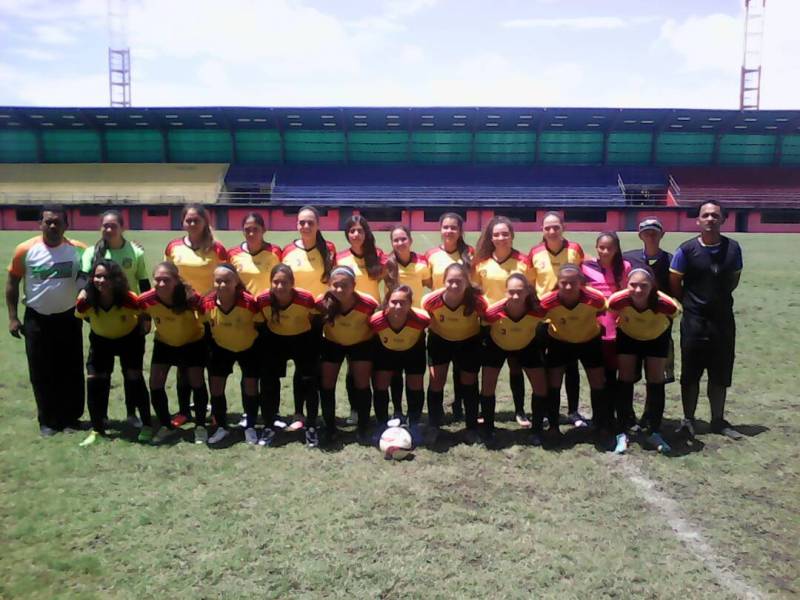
[[144, 285]]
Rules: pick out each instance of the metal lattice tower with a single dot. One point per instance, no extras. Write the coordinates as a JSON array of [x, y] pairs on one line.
[[119, 54], [750, 86]]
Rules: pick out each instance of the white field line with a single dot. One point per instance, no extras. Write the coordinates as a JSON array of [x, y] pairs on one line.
[[691, 537]]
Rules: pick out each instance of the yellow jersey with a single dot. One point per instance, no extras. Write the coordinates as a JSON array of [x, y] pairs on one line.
[[174, 328], [544, 264], [453, 324], [414, 274], [196, 267], [439, 260], [293, 319], [234, 330], [112, 323], [307, 266], [577, 324], [508, 333], [491, 275], [408, 336], [254, 269], [351, 327], [364, 283], [643, 325]]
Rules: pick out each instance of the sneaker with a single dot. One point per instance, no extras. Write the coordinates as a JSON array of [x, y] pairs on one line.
[[94, 436], [523, 420], [70, 429], [658, 442], [220, 434], [634, 430], [250, 436], [243, 421], [363, 437], [330, 435], [576, 419], [179, 420], [545, 423], [352, 419], [722, 427], [162, 435], [267, 437], [200, 435], [133, 421], [394, 422], [145, 435], [536, 439], [312, 439], [46, 431], [489, 438], [471, 437], [280, 424], [686, 427], [622, 444], [298, 424]]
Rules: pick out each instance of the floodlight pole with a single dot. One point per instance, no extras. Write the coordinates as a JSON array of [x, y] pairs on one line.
[[750, 82], [119, 54]]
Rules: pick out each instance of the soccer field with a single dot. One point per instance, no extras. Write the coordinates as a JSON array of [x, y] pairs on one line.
[[715, 519]]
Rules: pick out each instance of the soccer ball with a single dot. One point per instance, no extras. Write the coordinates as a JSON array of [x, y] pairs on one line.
[[396, 443]]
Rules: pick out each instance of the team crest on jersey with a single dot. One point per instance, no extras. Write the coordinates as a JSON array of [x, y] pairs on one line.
[[441, 318], [127, 262]]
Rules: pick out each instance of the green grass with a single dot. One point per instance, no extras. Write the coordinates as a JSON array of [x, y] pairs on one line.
[[122, 520]]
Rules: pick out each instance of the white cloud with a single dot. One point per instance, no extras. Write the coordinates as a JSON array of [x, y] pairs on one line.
[[411, 54], [53, 35], [709, 42], [36, 54], [577, 23]]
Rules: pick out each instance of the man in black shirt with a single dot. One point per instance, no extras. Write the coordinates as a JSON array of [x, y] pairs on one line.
[[703, 274]]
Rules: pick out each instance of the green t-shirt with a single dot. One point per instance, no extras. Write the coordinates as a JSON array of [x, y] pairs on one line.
[[130, 257]]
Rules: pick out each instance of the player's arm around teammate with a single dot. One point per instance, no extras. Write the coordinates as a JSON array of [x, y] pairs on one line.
[[112, 311], [574, 334], [288, 312], [644, 316], [174, 310], [496, 259], [454, 336], [400, 329], [347, 334], [512, 324]]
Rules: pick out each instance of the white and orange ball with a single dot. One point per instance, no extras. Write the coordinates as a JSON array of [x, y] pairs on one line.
[[396, 443]]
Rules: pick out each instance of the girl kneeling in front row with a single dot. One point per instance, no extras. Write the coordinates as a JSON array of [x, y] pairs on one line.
[[512, 336], [345, 314], [644, 316], [113, 315], [231, 314]]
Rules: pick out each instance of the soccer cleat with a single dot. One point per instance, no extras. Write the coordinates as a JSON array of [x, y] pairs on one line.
[[145, 435], [471, 437], [431, 435], [659, 443], [352, 419], [70, 429], [394, 422], [162, 435], [298, 424], [133, 421], [46, 431], [312, 439], [577, 419], [243, 421], [722, 427], [220, 434], [686, 427], [523, 420], [200, 435], [179, 420], [251, 435], [622, 444], [279, 423], [536, 439], [94, 436], [363, 438], [458, 411]]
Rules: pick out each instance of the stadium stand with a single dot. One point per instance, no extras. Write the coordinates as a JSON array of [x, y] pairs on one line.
[[771, 187]]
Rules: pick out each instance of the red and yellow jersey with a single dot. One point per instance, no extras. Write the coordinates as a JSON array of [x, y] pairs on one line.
[[307, 266], [196, 267], [293, 319], [577, 324], [439, 260], [172, 327], [364, 283], [453, 324], [414, 274], [508, 333], [643, 325], [407, 337], [112, 323], [544, 265], [254, 269], [351, 327], [491, 275], [234, 330]]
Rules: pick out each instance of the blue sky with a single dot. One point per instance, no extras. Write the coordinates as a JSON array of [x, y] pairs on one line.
[[624, 53]]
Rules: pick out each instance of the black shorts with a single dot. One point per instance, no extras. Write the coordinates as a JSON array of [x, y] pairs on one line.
[[102, 350], [656, 348], [277, 350], [707, 345], [193, 354], [336, 353], [529, 357], [411, 361], [221, 361], [464, 354], [560, 354]]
